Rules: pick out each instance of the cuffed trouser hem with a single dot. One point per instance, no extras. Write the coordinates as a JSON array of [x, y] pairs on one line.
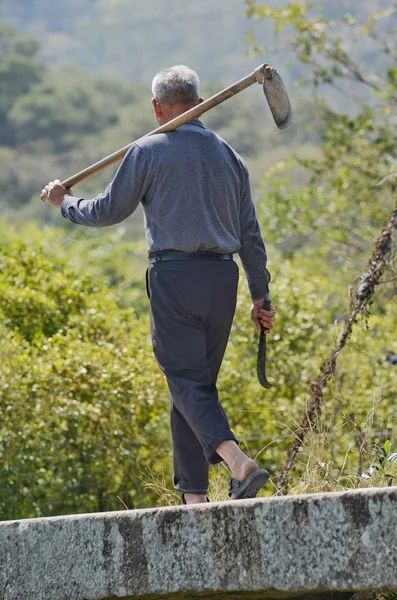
[[210, 450], [198, 487]]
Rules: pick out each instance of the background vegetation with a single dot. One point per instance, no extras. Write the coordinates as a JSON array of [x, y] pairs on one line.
[[84, 410]]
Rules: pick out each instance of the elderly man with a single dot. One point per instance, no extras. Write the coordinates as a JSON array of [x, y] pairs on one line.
[[195, 192]]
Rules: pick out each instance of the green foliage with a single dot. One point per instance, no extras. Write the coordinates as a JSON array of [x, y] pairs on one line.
[[86, 408], [56, 121], [45, 115], [82, 424], [39, 298], [58, 116], [19, 71], [83, 405], [17, 174], [341, 209], [176, 31], [329, 225], [385, 469]]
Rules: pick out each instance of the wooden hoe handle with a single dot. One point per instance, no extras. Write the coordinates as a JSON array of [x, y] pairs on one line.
[[260, 75]]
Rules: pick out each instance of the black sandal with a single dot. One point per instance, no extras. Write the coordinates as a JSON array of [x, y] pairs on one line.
[[250, 486]]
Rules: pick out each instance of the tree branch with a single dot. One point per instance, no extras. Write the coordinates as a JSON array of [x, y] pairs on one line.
[[370, 279]]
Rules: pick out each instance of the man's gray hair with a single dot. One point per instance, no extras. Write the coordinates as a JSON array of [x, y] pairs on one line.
[[176, 85]]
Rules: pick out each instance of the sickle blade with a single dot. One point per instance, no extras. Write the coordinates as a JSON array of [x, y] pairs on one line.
[[261, 362], [261, 359]]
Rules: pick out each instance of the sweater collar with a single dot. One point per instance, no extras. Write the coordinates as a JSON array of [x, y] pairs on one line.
[[196, 123]]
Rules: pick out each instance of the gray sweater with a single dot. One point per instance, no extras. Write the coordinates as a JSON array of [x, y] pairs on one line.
[[195, 192]]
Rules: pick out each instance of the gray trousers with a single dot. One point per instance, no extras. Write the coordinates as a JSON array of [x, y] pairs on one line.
[[192, 305]]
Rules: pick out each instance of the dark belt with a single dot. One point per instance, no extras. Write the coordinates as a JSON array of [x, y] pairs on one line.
[[176, 255]]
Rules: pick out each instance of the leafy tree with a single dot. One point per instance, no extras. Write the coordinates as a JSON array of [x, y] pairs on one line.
[[175, 30], [83, 407], [342, 202], [63, 120], [59, 116], [330, 223], [19, 71]]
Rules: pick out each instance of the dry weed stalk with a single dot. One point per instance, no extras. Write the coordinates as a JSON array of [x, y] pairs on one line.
[[379, 260]]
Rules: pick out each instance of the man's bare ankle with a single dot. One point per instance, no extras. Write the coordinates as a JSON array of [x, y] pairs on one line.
[[244, 469], [239, 463], [194, 498]]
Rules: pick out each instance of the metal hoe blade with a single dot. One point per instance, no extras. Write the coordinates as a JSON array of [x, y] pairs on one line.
[[277, 97]]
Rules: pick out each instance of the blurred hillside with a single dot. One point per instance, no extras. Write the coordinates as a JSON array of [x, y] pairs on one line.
[[133, 39], [73, 92], [55, 121]]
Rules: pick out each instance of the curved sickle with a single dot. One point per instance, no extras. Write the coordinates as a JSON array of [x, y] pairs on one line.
[[261, 359]]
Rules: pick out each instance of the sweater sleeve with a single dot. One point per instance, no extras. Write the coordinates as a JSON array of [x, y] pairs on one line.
[[252, 252], [118, 201]]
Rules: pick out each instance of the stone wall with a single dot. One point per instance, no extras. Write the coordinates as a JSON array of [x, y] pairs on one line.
[[314, 546]]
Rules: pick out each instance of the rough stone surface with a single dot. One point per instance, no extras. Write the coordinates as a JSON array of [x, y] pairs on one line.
[[315, 546]]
